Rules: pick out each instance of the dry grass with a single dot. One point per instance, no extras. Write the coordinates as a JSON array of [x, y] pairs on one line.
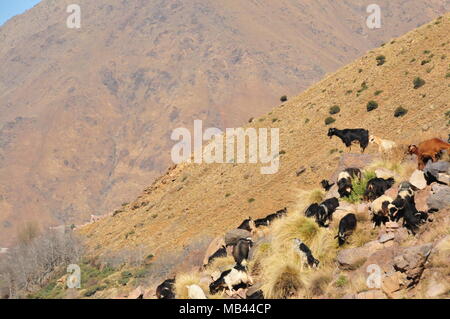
[[220, 264], [362, 235], [186, 279]]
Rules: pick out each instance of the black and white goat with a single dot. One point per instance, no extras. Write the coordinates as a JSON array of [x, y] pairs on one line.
[[344, 181], [379, 210], [236, 276], [306, 253], [247, 224], [323, 212], [349, 136]]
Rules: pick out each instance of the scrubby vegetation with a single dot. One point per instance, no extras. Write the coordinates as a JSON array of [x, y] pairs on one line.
[[335, 109], [381, 59], [371, 105], [359, 187], [400, 111], [418, 82], [329, 120]]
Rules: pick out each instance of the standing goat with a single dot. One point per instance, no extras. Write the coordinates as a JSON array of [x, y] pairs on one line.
[[384, 146], [348, 136]]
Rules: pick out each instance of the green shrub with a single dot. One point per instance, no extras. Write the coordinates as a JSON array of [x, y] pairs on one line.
[[400, 111], [372, 105], [335, 109], [378, 92], [359, 187], [342, 281], [283, 98], [329, 120], [381, 59], [425, 62], [418, 82], [250, 200], [447, 75]]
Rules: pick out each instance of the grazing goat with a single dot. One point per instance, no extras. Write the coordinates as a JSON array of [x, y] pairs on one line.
[[221, 252], [348, 136], [230, 279], [323, 212], [344, 181], [165, 290], [306, 253], [404, 207], [376, 187], [429, 149], [379, 210], [326, 185], [269, 218], [248, 224], [346, 227], [384, 146], [241, 250]]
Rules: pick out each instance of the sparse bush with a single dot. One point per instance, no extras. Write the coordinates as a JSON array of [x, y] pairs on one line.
[[418, 82], [283, 98], [400, 111], [342, 281], [425, 62], [371, 105], [250, 200], [335, 109], [378, 92], [329, 120], [381, 59], [447, 75], [359, 187]]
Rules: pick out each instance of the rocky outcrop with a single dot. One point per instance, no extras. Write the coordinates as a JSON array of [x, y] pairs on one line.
[[439, 197]]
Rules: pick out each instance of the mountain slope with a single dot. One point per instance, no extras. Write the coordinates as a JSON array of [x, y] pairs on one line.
[[196, 200], [86, 115]]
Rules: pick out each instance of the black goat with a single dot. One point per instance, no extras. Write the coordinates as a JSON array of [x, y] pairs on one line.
[[241, 250], [269, 218], [346, 227], [166, 289], [376, 187], [348, 136], [326, 185], [247, 224]]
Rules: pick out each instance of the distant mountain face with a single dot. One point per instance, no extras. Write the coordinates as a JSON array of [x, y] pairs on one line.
[[86, 114]]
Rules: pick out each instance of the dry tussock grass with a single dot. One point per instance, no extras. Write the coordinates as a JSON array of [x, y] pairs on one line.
[[186, 279]]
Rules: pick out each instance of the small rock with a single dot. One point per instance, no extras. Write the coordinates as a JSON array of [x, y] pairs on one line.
[[418, 179], [386, 237], [333, 192], [392, 283], [425, 127], [384, 173], [392, 225], [440, 197], [412, 260], [436, 289], [421, 197], [444, 178], [300, 171]]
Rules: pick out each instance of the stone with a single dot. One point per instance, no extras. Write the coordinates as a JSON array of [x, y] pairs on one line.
[[362, 208], [421, 197], [232, 237], [392, 225], [436, 289], [386, 237], [439, 197], [418, 179], [392, 192], [353, 258], [215, 244], [444, 178], [300, 171], [333, 192], [371, 294], [411, 261], [384, 173], [392, 283]]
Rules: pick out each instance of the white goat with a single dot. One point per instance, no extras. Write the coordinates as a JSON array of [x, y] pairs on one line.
[[384, 146]]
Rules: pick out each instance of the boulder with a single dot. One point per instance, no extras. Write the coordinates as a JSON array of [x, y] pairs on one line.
[[439, 197], [392, 192], [386, 237], [393, 283], [437, 286], [384, 173], [421, 197], [418, 179], [353, 258], [411, 261], [232, 237], [215, 244]]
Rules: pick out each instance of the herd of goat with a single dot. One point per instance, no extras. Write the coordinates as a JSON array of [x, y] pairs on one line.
[[382, 208]]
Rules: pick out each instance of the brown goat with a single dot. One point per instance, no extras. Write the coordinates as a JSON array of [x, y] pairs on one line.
[[428, 149]]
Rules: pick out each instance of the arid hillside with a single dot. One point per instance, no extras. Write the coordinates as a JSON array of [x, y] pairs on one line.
[[86, 114], [193, 201]]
